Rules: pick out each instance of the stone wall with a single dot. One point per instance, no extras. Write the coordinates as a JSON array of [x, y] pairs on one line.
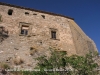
[[69, 37], [83, 43], [39, 34]]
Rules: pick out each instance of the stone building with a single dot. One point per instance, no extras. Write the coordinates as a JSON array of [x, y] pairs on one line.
[[28, 33]]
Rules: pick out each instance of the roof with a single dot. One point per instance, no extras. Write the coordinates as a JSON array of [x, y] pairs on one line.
[[35, 10]]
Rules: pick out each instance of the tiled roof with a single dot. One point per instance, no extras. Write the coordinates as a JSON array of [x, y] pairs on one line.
[[6, 4]]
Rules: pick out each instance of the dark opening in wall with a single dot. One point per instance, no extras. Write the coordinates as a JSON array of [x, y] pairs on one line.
[[26, 13], [10, 11], [34, 14], [53, 34], [24, 30], [43, 16], [31, 48], [6, 60]]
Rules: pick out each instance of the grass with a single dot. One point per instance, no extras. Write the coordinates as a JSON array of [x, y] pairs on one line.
[[4, 65]]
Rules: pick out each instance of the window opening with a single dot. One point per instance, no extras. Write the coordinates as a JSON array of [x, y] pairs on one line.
[[10, 11], [53, 34], [34, 14], [43, 16], [26, 13], [24, 30]]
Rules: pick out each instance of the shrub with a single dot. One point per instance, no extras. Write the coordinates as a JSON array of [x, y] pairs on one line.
[[4, 65]]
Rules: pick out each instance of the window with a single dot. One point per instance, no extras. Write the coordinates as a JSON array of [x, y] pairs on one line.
[[10, 11], [34, 14], [53, 34], [43, 16], [24, 30], [26, 13]]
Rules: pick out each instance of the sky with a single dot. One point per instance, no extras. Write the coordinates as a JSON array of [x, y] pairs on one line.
[[86, 13]]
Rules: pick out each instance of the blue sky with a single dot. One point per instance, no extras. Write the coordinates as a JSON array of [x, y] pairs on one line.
[[85, 12]]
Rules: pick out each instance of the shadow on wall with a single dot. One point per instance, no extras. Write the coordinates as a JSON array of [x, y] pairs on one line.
[[3, 33]]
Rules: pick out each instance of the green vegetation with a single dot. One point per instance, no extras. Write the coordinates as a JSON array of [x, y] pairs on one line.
[[61, 64], [4, 66]]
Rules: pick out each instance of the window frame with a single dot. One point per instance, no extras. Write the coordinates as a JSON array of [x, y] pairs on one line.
[[24, 31], [56, 34], [22, 24], [53, 34]]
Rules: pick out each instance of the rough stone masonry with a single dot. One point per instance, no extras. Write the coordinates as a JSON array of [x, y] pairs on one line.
[[28, 33]]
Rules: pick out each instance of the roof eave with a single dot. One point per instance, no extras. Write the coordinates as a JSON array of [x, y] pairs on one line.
[[41, 11]]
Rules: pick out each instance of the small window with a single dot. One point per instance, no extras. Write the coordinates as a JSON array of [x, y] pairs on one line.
[[43, 16], [53, 34], [34, 14], [26, 13], [24, 30], [10, 11]]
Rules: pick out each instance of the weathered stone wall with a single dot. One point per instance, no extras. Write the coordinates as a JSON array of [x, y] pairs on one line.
[[83, 43], [39, 36], [70, 38]]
